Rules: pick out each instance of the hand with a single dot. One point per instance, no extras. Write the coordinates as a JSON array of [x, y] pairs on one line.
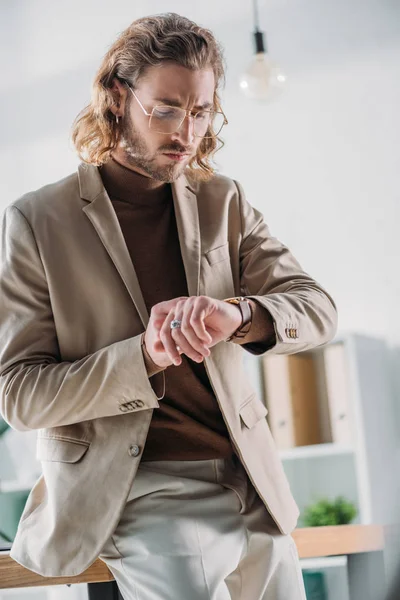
[[205, 322], [154, 345]]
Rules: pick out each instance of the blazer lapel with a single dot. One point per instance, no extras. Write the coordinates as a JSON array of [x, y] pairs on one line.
[[101, 214], [187, 220]]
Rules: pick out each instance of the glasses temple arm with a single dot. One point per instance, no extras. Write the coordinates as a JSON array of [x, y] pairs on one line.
[[140, 104]]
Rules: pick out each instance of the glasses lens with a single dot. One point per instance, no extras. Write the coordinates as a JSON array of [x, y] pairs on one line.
[[208, 123], [166, 119]]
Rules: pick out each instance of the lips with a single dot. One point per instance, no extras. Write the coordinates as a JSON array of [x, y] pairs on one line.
[[175, 155]]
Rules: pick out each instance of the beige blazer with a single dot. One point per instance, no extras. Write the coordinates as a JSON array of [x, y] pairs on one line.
[[71, 315]]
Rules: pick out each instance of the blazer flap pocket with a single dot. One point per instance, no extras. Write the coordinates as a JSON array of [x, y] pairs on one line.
[[252, 411], [56, 450], [218, 254]]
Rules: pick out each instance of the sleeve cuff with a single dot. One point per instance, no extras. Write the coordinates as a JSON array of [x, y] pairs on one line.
[[261, 336], [151, 367]]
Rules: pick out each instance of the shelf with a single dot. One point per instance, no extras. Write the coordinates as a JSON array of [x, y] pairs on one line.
[[323, 562], [314, 451], [337, 540]]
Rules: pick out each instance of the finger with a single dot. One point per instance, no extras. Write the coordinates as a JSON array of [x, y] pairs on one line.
[[180, 339], [158, 347], [197, 322], [167, 341], [162, 309], [189, 333], [184, 336], [185, 346], [157, 324]]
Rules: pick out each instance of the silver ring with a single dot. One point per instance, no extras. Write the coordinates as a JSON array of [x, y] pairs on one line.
[[175, 324]]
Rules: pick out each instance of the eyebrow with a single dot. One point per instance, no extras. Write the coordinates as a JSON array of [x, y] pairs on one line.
[[171, 102]]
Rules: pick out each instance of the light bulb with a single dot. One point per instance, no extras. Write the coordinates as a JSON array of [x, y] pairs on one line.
[[263, 79]]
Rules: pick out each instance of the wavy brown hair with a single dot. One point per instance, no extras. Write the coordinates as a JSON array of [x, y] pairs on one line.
[[148, 41]]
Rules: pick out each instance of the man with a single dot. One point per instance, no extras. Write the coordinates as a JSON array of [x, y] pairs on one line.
[[128, 293]]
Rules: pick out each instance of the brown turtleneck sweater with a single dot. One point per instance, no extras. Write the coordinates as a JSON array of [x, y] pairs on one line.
[[188, 425]]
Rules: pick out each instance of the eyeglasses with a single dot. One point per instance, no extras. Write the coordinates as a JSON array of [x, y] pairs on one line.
[[169, 119]]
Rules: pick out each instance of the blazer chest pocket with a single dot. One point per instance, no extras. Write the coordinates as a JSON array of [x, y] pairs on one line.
[[58, 450], [252, 411], [216, 277], [216, 255]]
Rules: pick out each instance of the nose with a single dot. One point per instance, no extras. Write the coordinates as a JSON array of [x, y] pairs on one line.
[[185, 133]]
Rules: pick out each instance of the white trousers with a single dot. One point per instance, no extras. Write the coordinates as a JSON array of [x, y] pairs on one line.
[[197, 530]]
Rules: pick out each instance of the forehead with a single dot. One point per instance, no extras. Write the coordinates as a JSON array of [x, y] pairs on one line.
[[178, 83]]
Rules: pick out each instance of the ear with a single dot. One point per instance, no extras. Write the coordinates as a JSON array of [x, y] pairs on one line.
[[120, 93]]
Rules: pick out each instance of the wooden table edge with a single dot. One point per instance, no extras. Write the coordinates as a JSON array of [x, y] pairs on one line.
[[310, 542]]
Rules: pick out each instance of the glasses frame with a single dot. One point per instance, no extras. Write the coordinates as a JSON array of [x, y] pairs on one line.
[[188, 114]]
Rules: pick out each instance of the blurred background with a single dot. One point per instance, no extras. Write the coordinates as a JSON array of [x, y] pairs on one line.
[[320, 161]]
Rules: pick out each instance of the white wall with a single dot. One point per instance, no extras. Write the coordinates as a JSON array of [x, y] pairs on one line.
[[321, 163]]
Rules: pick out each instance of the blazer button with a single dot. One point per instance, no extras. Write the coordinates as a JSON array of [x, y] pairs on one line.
[[134, 450]]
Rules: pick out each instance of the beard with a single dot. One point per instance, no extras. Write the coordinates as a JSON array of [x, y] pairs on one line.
[[137, 155]]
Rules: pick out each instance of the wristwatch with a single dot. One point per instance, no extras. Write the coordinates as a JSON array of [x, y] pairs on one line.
[[245, 309]]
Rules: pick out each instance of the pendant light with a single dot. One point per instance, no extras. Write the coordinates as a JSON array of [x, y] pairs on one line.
[[263, 79]]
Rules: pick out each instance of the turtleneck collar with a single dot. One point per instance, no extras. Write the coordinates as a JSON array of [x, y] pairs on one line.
[[130, 186]]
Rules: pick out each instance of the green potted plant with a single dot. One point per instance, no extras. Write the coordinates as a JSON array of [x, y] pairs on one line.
[[329, 512], [12, 503]]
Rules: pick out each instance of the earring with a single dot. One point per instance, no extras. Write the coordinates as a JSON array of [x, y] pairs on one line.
[[117, 118]]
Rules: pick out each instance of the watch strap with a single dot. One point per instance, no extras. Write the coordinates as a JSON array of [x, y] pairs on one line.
[[245, 309]]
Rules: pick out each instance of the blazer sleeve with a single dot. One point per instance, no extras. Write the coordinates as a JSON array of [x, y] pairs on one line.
[[304, 314], [38, 389]]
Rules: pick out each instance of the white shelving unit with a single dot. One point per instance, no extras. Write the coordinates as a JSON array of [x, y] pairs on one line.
[[312, 564], [315, 451], [57, 592], [364, 471], [32, 593], [335, 573]]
